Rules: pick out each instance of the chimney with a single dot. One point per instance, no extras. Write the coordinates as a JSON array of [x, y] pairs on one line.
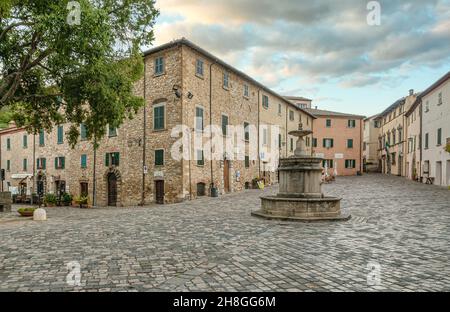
[[411, 92]]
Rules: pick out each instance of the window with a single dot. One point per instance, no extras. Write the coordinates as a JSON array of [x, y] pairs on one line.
[[226, 80], [60, 134], [426, 140], [265, 101], [224, 124], [159, 157], [440, 98], [200, 158], [328, 123], [427, 106], [393, 137], [291, 144], [307, 141], [158, 117], [60, 162], [247, 161], [41, 163], [8, 165], [350, 164], [314, 142], [328, 162], [246, 91], [400, 135], [112, 131], [279, 109], [41, 137], [199, 119], [25, 141], [350, 143], [328, 143], [83, 132], [25, 164], [265, 136], [83, 161], [352, 123], [393, 158], [291, 115], [112, 159], [246, 131], [8, 144], [279, 140], [159, 65], [199, 68], [364, 146], [439, 136], [84, 189]]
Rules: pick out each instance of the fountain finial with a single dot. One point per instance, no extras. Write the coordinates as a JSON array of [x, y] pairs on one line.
[[300, 126]]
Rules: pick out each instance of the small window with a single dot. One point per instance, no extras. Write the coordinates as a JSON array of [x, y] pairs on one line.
[[439, 136], [328, 163], [8, 165], [350, 164], [25, 141], [291, 115], [246, 91], [112, 159], [199, 67], [246, 131], [41, 163], [352, 123], [314, 142], [112, 131], [60, 133], [159, 65], [440, 98], [427, 106], [279, 109], [226, 80], [60, 162], [8, 144], [41, 137], [159, 157], [25, 164], [328, 123], [291, 144], [265, 101], [83, 161], [350, 143], [328, 143], [200, 158], [199, 119], [158, 117], [83, 132], [224, 124], [247, 161], [279, 141]]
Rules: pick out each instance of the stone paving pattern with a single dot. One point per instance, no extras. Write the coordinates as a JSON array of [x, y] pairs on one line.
[[213, 244]]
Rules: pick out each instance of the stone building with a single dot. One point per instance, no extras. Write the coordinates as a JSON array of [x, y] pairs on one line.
[[371, 131], [436, 131], [338, 139], [165, 153], [392, 136]]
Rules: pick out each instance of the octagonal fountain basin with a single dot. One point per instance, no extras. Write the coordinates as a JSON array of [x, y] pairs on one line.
[[301, 209]]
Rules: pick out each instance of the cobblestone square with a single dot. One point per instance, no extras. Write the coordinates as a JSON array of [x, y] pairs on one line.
[[397, 240]]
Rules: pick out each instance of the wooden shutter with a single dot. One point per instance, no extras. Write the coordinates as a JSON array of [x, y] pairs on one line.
[[116, 156], [43, 164], [107, 159], [63, 162]]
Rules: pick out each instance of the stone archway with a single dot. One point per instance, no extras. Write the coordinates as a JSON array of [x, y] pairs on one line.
[[112, 196]]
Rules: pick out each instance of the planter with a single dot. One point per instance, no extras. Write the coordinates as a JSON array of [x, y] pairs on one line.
[[26, 212]]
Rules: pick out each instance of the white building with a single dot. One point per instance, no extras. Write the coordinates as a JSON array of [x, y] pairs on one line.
[[436, 131]]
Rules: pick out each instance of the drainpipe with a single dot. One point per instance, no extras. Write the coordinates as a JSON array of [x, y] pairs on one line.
[[286, 130], [210, 122], [34, 167], [360, 147], [420, 137], [144, 140], [259, 123], [94, 184]]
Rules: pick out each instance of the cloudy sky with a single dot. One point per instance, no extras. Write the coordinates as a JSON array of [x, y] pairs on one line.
[[324, 50]]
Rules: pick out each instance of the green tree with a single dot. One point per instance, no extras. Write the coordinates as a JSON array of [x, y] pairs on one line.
[[58, 68]]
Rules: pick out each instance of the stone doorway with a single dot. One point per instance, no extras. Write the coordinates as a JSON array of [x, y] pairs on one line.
[[112, 189], [159, 192]]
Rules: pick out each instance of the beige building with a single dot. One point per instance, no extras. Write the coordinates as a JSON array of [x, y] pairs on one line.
[[413, 141], [300, 101], [338, 139], [371, 130], [165, 153], [392, 136]]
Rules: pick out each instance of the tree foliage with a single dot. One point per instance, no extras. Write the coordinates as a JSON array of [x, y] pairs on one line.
[[53, 70]]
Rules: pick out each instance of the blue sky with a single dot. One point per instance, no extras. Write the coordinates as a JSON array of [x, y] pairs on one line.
[[324, 50]]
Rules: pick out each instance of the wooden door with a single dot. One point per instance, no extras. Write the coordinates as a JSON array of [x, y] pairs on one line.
[[159, 190], [112, 190], [226, 175], [84, 189]]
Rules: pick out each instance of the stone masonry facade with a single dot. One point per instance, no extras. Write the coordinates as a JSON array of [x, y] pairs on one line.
[[137, 161]]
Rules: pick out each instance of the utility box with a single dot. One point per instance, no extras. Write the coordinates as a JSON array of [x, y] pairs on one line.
[[5, 201]]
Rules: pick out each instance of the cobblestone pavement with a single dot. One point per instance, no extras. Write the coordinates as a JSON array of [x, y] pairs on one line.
[[398, 239]]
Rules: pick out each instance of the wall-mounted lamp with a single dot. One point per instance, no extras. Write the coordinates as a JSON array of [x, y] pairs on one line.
[[176, 88], [190, 95]]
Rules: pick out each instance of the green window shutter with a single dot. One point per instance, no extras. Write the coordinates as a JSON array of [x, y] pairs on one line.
[[8, 165], [8, 143], [56, 162], [159, 157], [25, 141], [83, 161], [247, 161], [37, 163], [83, 132], [158, 118], [224, 124], [44, 165], [117, 156], [41, 138], [63, 162], [107, 159], [350, 143], [60, 134], [324, 143], [332, 142]]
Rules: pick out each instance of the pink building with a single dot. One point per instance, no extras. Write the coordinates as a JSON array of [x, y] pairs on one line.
[[337, 138]]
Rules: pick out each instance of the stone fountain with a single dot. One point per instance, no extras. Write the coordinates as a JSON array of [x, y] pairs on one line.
[[300, 196]]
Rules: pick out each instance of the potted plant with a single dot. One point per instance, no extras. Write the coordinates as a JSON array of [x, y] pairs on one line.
[[26, 212], [82, 201], [66, 199], [50, 200], [447, 147]]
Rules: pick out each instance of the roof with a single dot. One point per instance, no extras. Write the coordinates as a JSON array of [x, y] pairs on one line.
[[436, 84], [372, 117], [184, 41], [393, 106], [415, 104], [297, 98], [321, 112]]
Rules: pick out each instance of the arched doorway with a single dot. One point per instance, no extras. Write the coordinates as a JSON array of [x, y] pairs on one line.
[[112, 189]]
